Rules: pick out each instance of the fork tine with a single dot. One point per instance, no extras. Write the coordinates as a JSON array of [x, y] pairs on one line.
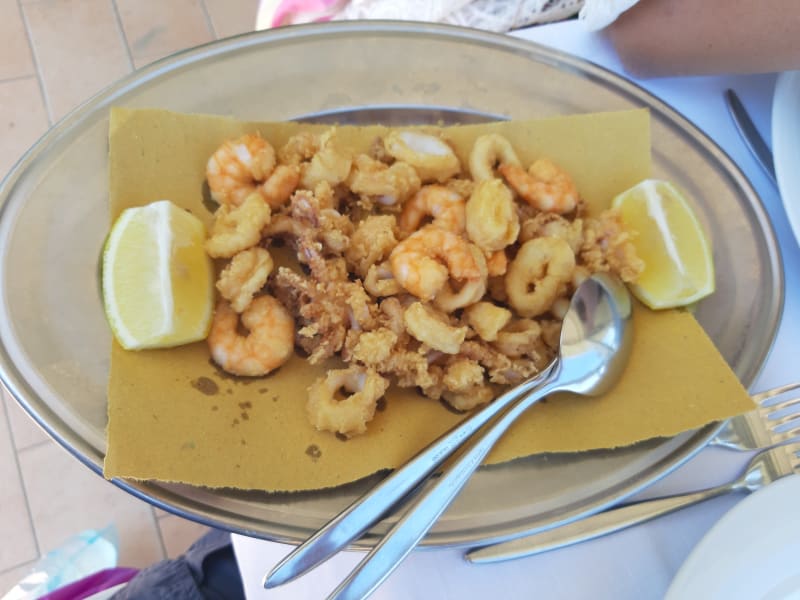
[[762, 397], [780, 423], [781, 427], [771, 412], [791, 433], [780, 437], [782, 405]]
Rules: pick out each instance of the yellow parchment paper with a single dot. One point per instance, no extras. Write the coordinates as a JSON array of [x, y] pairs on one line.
[[174, 417]]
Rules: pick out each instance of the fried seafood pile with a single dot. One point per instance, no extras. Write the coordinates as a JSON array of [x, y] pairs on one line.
[[414, 269]]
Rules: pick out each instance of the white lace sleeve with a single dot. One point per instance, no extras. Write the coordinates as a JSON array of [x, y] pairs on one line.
[[597, 14], [492, 15]]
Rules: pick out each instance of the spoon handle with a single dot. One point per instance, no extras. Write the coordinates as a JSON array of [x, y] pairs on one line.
[[408, 531], [350, 524]]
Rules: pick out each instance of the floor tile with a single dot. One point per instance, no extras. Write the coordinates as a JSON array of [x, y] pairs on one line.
[[11, 577], [230, 17], [142, 61], [15, 523], [78, 47], [15, 59], [154, 28], [178, 534], [24, 430], [23, 119], [77, 499]]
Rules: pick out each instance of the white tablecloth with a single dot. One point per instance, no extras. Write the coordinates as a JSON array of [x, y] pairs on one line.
[[638, 563]]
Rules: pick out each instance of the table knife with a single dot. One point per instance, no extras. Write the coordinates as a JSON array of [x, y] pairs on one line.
[[752, 138]]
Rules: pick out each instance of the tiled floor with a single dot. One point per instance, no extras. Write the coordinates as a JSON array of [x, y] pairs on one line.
[[57, 53]]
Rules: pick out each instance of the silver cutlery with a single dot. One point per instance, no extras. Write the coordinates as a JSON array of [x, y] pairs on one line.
[[595, 343], [752, 138], [771, 426], [780, 423], [764, 468]]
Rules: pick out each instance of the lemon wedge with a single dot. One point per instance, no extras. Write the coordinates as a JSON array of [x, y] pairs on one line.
[[679, 266], [157, 279]]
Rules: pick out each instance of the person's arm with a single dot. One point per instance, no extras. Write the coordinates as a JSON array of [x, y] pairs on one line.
[[693, 37]]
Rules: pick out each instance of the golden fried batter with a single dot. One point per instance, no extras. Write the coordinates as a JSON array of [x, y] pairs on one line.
[[453, 308], [607, 247]]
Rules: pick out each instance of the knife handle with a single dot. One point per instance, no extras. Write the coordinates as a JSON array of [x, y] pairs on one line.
[[592, 527], [750, 135]]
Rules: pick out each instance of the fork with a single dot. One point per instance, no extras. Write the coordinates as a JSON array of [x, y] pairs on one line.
[[765, 427], [738, 434], [764, 468]]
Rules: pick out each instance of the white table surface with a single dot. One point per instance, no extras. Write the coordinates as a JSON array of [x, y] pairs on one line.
[[638, 563]]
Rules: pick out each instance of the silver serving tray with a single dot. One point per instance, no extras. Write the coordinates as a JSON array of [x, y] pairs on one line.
[[53, 219]]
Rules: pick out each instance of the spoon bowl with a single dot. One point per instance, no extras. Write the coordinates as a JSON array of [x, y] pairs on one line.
[[595, 336]]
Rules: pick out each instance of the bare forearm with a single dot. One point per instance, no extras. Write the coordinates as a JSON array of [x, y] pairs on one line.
[[693, 37]]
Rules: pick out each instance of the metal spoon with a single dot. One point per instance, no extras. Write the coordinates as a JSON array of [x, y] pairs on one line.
[[595, 343]]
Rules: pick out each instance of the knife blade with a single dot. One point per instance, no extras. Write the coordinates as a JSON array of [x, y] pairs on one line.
[[778, 461], [752, 138]]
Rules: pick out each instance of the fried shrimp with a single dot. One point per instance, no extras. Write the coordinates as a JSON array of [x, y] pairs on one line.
[[268, 344], [432, 157], [458, 294], [244, 276], [279, 186], [329, 163], [424, 261], [390, 185], [544, 186], [488, 152], [238, 228], [238, 167], [538, 275], [445, 206], [349, 415], [491, 217]]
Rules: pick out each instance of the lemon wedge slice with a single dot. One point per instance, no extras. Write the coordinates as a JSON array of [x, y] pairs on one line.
[[679, 266], [157, 279]]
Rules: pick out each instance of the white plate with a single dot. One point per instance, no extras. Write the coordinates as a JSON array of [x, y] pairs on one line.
[[751, 553], [786, 144]]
